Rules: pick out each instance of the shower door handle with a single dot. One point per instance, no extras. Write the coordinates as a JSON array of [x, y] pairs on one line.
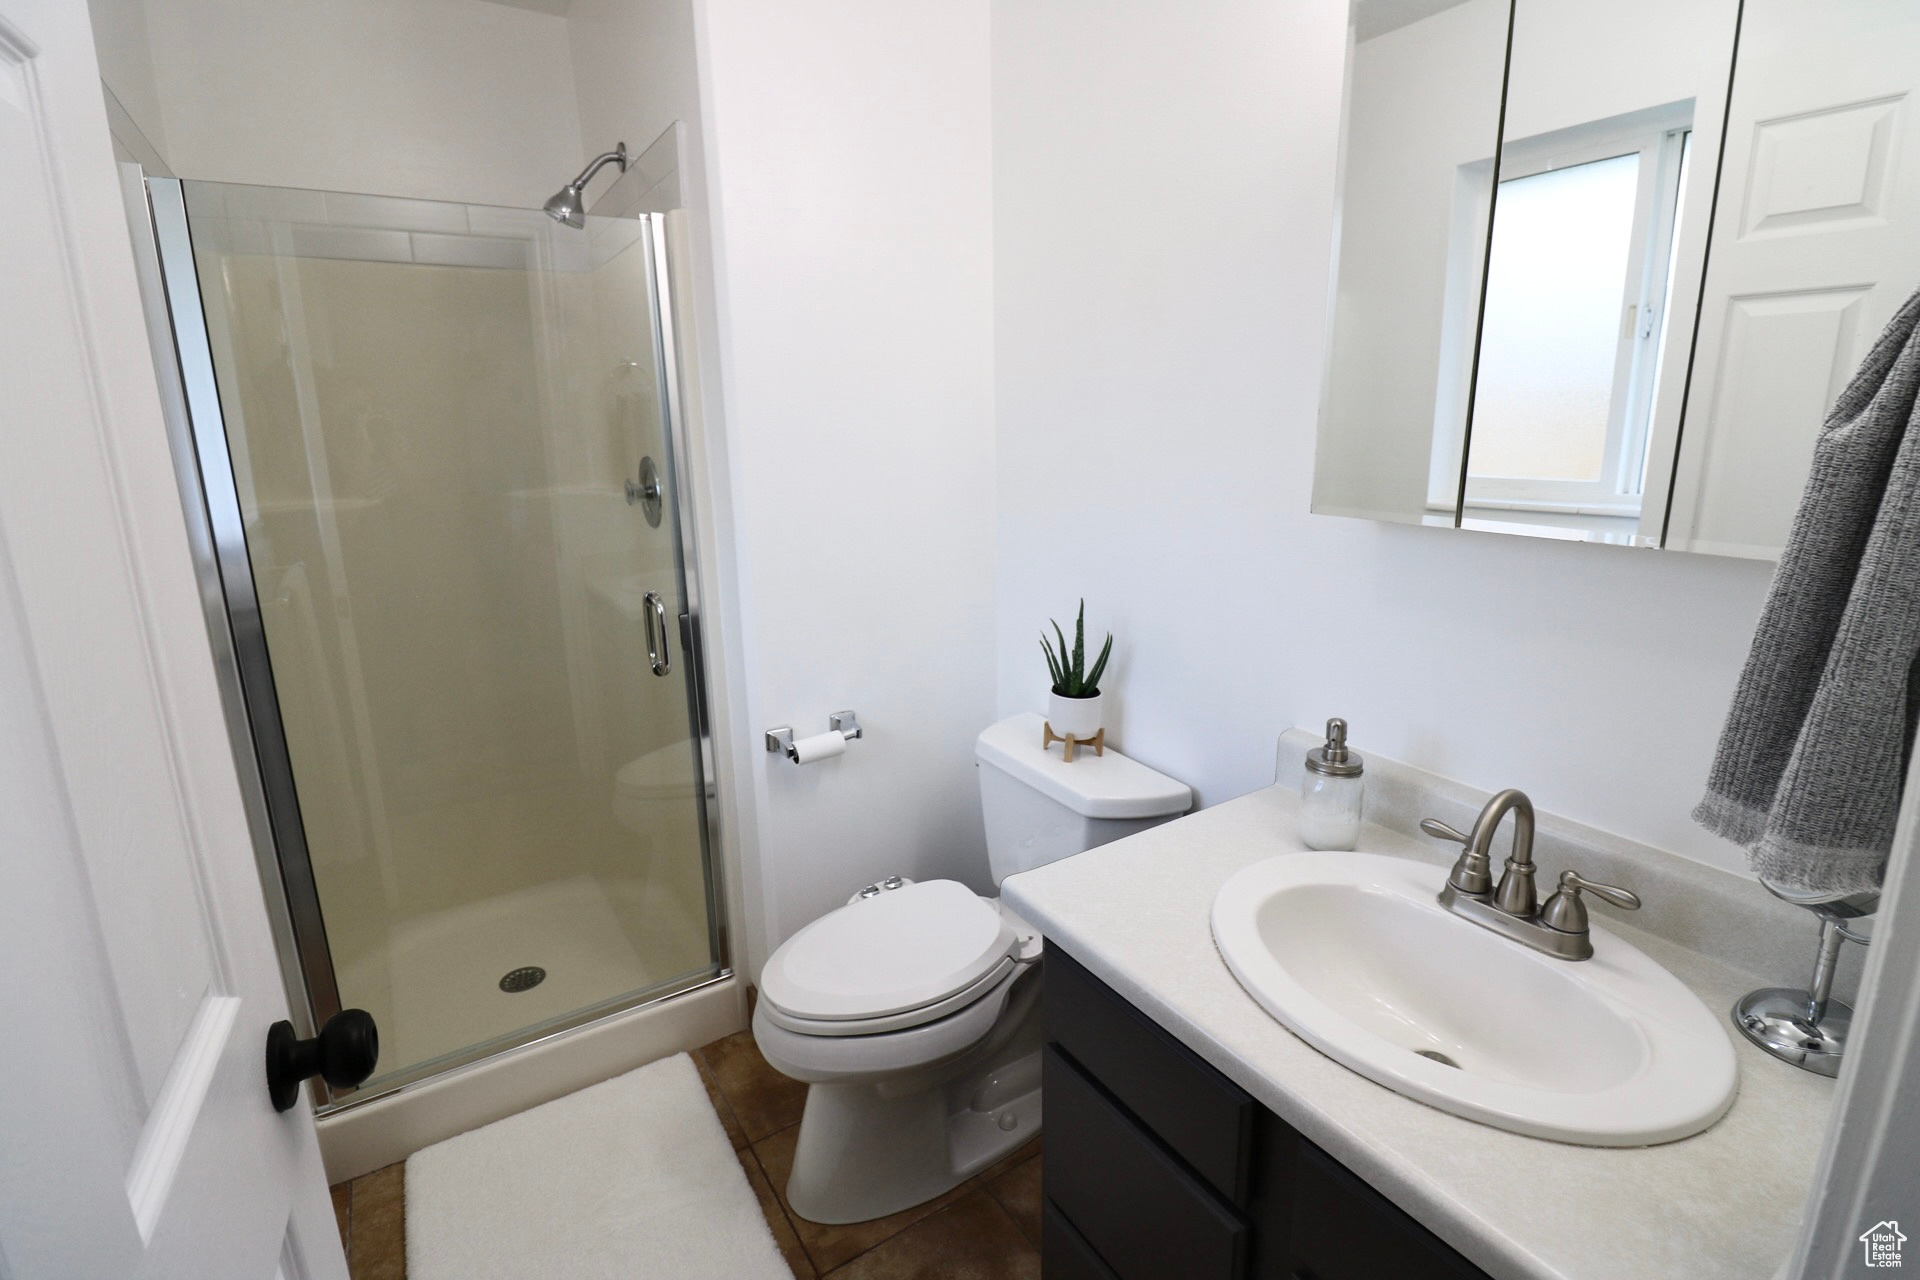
[[656, 619]]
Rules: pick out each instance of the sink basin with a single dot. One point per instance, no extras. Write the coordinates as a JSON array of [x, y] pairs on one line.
[[1355, 955]]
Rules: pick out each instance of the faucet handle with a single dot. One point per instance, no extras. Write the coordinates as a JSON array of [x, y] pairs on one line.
[[1565, 911], [1625, 899], [1472, 872]]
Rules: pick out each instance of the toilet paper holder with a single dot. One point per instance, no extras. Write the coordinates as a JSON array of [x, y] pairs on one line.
[[780, 740]]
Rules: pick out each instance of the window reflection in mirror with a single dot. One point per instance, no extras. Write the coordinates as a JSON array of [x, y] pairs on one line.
[[1574, 320], [1587, 313]]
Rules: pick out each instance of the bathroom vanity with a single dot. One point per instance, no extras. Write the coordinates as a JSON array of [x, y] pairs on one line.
[[1158, 1162], [1189, 1133]]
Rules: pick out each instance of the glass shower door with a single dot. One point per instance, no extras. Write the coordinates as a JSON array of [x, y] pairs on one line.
[[440, 470]]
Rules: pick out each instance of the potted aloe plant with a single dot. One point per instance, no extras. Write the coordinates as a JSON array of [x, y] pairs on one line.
[[1073, 709]]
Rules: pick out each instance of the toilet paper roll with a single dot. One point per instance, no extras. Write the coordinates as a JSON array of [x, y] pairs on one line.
[[821, 746]]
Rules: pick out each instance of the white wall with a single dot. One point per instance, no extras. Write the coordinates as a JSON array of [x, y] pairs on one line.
[[849, 168], [438, 99], [635, 70], [125, 49], [1158, 329], [1575, 62]]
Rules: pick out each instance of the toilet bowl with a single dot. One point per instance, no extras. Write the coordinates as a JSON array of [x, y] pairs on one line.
[[656, 878], [913, 1012]]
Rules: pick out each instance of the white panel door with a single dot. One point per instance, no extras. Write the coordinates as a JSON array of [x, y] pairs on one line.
[[1816, 243], [136, 1135]]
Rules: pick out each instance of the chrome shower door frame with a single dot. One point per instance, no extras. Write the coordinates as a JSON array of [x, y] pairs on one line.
[[196, 427], [197, 431], [686, 554]]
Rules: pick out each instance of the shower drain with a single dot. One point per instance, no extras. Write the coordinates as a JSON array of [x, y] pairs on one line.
[[1435, 1054], [524, 979]]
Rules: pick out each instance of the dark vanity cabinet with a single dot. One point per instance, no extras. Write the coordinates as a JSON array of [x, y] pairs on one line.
[[1160, 1168]]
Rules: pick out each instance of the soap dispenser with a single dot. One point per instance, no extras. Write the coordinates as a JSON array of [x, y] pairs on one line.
[[1330, 792]]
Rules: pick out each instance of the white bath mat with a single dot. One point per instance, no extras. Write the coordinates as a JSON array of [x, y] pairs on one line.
[[633, 1178]]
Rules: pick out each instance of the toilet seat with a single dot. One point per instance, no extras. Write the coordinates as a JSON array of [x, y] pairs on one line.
[[895, 1021], [897, 960], [851, 1058]]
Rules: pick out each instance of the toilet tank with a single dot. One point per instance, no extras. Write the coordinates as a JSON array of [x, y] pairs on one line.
[[1039, 808]]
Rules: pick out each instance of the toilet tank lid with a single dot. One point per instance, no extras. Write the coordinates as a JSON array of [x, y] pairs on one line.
[[1103, 786]]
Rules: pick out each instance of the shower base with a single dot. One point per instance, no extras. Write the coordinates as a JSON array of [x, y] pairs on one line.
[[446, 968], [372, 1135]]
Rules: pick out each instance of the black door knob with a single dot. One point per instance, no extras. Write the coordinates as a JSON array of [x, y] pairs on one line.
[[343, 1054]]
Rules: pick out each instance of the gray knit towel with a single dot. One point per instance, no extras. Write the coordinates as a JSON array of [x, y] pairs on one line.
[[1810, 764]]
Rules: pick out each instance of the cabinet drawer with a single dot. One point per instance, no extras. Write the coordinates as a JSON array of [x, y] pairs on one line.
[[1345, 1230], [1135, 1204], [1065, 1253], [1192, 1108]]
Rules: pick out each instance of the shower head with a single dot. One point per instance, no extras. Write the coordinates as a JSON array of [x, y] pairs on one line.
[[568, 204], [565, 207]]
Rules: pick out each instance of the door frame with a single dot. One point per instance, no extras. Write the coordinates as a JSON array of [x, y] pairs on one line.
[[649, 194]]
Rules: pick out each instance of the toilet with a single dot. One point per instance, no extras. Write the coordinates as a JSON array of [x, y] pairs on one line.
[[913, 1012], [657, 876], [652, 788]]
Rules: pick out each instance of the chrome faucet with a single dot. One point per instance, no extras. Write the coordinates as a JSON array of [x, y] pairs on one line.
[[1512, 908]]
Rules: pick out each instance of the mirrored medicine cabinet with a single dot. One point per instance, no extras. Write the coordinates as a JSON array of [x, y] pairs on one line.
[[1600, 269]]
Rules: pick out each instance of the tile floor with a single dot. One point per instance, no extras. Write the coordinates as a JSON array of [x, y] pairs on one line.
[[987, 1228], [373, 1223]]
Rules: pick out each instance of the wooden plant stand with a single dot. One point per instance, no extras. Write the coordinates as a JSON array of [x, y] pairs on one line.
[[1098, 741]]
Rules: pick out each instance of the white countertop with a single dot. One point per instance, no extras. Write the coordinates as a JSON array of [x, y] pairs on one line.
[[1725, 1203]]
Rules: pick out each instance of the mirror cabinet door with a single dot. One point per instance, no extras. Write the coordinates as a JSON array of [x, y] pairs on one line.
[[1421, 118], [1816, 243]]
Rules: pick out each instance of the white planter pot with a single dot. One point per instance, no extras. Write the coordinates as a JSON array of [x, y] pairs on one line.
[[1076, 718]]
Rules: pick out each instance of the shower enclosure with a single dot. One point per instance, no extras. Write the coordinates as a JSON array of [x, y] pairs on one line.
[[440, 505]]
